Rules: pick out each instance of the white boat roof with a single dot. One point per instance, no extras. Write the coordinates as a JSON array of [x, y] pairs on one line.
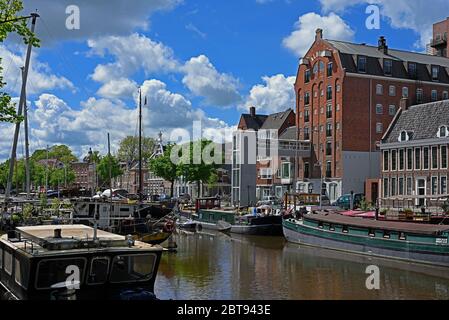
[[67, 231]]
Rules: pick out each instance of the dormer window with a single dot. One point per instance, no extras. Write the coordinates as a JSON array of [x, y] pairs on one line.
[[435, 73], [443, 132], [361, 64], [412, 70], [388, 67], [404, 136]]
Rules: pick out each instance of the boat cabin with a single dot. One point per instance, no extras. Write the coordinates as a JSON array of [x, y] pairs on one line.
[[75, 262], [207, 203]]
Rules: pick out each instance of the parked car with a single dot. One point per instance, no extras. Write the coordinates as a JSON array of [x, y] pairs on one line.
[[344, 201]]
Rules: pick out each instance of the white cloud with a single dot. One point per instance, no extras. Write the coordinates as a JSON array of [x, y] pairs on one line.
[[204, 80], [97, 18], [300, 40], [40, 77], [132, 54], [417, 15], [275, 95], [116, 89], [53, 121]]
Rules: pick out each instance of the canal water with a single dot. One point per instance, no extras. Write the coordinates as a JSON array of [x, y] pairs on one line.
[[215, 266]]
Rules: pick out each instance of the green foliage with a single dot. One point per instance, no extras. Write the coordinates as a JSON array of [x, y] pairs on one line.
[[195, 169], [165, 168], [27, 212], [103, 168], [129, 149], [445, 207], [43, 201], [9, 10]]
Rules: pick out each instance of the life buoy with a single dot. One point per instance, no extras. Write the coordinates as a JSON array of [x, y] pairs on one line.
[[169, 226]]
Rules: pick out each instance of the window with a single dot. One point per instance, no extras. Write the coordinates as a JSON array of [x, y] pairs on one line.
[[419, 95], [393, 160], [435, 73], [307, 98], [306, 134], [418, 159], [379, 89], [306, 170], [345, 229], [404, 136], [338, 88], [266, 173], [443, 185], [392, 110], [329, 130], [53, 271], [328, 148], [361, 65], [99, 270], [409, 159], [20, 274], [320, 225], [307, 76], [329, 93], [426, 158], [388, 67], [445, 95], [394, 186], [329, 69], [392, 91], [434, 95], [402, 236], [409, 186], [371, 233], [328, 170], [412, 72], [286, 170], [386, 160], [385, 188], [405, 92], [127, 268], [434, 185], [443, 132], [379, 109], [401, 159], [434, 157], [401, 186], [443, 155], [379, 127], [321, 66], [306, 115], [8, 262], [329, 111], [315, 69]]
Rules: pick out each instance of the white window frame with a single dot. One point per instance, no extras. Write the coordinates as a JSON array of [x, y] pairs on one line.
[[379, 127], [392, 107], [432, 185], [405, 92], [434, 95], [392, 91], [441, 185], [441, 157], [379, 107], [379, 89]]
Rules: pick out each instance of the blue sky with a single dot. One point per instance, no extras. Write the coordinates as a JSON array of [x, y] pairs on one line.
[[196, 60]]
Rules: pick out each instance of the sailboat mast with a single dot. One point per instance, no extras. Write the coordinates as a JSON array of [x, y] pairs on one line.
[[34, 17], [140, 147], [27, 150]]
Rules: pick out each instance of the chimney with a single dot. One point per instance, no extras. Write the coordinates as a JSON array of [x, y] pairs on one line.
[[403, 104], [252, 111], [319, 34], [382, 45]]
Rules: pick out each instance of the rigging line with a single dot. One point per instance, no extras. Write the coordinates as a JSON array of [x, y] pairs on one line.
[[65, 63]]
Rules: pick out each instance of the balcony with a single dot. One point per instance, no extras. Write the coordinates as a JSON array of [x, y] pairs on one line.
[[439, 41]]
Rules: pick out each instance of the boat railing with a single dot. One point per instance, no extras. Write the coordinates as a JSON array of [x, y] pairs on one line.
[[416, 203]]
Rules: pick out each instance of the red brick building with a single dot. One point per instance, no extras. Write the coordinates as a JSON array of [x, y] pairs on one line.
[[439, 41], [347, 95]]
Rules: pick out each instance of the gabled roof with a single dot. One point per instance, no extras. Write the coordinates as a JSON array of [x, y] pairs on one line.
[[255, 122], [422, 121], [275, 121]]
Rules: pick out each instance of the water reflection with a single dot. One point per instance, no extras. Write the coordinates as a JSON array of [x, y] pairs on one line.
[[217, 266]]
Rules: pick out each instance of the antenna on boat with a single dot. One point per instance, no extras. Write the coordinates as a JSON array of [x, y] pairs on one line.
[[34, 17]]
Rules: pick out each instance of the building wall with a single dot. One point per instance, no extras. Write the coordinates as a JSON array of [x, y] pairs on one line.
[[359, 167], [441, 28]]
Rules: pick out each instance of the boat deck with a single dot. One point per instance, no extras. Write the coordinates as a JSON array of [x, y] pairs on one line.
[[415, 228]]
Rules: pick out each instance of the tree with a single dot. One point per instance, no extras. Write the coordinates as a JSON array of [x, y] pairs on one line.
[[163, 167], [9, 10], [201, 171], [129, 148], [59, 152], [107, 162]]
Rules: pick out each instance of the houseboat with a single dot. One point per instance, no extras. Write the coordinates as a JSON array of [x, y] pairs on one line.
[[422, 243], [75, 262]]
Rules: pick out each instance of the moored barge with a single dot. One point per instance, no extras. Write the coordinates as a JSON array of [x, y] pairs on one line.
[[422, 243], [75, 262]]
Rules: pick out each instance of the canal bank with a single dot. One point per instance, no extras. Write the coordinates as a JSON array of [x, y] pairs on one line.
[[210, 265]]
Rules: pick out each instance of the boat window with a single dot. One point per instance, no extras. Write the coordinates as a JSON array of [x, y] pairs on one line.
[[331, 227], [20, 273], [345, 229], [132, 268], [320, 225], [402, 236], [371, 233], [99, 270], [8, 263], [55, 271], [387, 234]]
